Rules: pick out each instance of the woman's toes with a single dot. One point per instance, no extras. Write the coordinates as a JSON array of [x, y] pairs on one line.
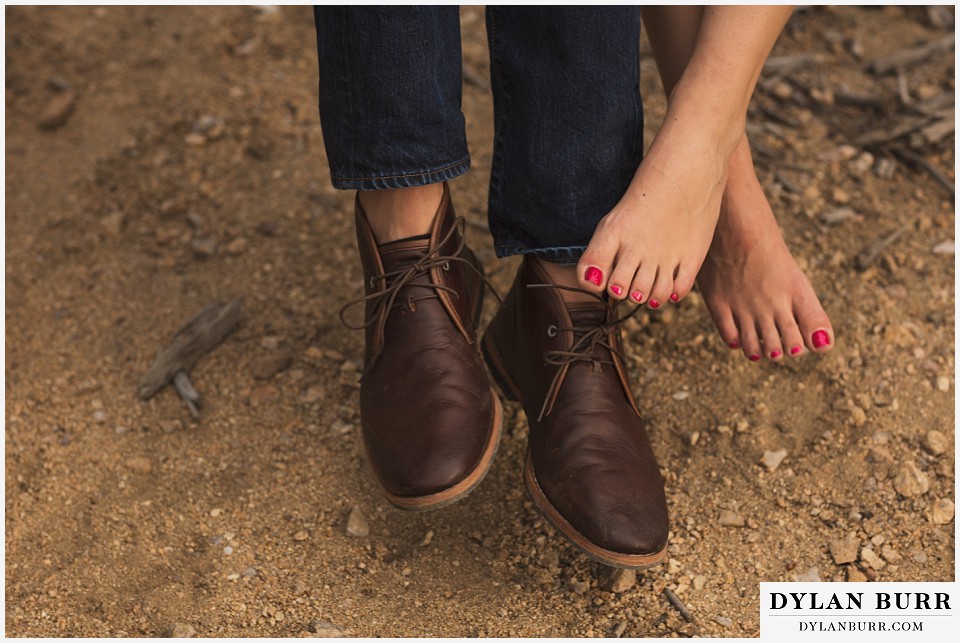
[[723, 320], [594, 267], [815, 326], [790, 336], [749, 339], [622, 276], [771, 340], [642, 283], [662, 288], [683, 282]]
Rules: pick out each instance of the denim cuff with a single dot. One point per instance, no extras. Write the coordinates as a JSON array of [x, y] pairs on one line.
[[410, 180], [562, 255]]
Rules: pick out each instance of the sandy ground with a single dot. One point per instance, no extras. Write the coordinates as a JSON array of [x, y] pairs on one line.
[[189, 167]]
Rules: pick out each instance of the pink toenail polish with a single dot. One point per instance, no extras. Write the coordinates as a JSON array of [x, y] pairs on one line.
[[820, 338], [616, 290], [775, 354], [796, 350], [637, 296], [674, 297], [594, 275], [654, 303], [754, 358], [734, 344]]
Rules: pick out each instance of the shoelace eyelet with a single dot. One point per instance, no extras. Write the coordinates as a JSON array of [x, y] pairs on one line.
[[551, 331], [446, 266]]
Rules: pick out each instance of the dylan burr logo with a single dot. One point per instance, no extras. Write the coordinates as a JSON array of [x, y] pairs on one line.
[[878, 610]]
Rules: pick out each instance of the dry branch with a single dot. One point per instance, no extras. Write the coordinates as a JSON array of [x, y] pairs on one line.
[[918, 161], [201, 334], [912, 56]]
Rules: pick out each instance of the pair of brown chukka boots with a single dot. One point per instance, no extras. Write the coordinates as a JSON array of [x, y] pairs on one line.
[[431, 422]]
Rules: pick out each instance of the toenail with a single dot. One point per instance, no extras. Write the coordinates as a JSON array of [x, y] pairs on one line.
[[734, 344], [654, 303], [754, 357], [820, 338], [637, 296], [775, 354], [796, 350], [594, 275], [674, 297], [616, 290]]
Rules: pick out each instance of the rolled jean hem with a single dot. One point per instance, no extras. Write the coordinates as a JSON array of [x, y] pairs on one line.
[[562, 255], [411, 180]]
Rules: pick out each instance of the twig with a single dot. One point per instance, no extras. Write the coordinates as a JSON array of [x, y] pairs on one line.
[[868, 101], [678, 604], [201, 334], [902, 90], [916, 159], [906, 126], [867, 256], [911, 56]]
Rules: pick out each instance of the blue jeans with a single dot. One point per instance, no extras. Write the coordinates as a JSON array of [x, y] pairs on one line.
[[568, 121]]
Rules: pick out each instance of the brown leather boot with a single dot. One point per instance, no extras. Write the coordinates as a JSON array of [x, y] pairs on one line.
[[430, 421], [590, 467]]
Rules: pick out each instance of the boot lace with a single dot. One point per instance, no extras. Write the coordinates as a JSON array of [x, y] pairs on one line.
[[388, 299], [586, 341]]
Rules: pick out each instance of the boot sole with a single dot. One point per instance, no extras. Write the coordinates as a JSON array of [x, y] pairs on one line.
[[608, 557], [465, 486]]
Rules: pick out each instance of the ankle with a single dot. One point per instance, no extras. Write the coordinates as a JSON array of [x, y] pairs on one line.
[[403, 212], [566, 275]]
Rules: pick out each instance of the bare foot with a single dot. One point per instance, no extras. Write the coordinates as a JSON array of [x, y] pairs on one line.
[[756, 293], [651, 245]]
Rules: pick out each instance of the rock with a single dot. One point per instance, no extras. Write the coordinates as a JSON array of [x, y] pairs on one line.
[[266, 367], [944, 248], [58, 110], [215, 513], [812, 575], [357, 524], [844, 550], [578, 586], [879, 455], [838, 215], [840, 196], [862, 163], [313, 394], [910, 481], [941, 513], [699, 582], [943, 384], [618, 630], [113, 223], [731, 519], [869, 557], [723, 621], [890, 554], [181, 631], [854, 575], [203, 247], [170, 426], [322, 629], [249, 572], [772, 459], [139, 464], [681, 395], [427, 538], [935, 442], [237, 246], [300, 536], [195, 139], [620, 580], [919, 556]]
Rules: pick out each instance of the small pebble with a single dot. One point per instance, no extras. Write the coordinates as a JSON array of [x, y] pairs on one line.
[[681, 395], [723, 621], [215, 512], [578, 586], [237, 246], [870, 557], [772, 459], [935, 442], [313, 394], [58, 110], [228, 551], [944, 248], [249, 572], [170, 426], [623, 580], [300, 536], [731, 519], [890, 554], [181, 631], [941, 513], [919, 556], [844, 550], [357, 525], [699, 582], [812, 575], [427, 538], [910, 481], [943, 383], [203, 247], [322, 629]]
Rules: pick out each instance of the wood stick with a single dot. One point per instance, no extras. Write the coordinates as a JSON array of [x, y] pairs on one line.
[[869, 101], [868, 255], [189, 395], [202, 333], [677, 603], [911, 56], [917, 160], [879, 136]]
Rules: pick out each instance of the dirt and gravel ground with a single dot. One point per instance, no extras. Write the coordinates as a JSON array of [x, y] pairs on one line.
[[181, 162]]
